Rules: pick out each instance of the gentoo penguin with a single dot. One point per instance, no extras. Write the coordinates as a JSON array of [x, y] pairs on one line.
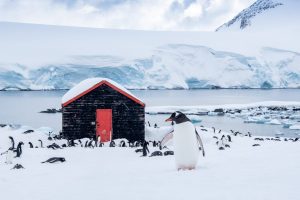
[[41, 143], [18, 166], [186, 141], [30, 145], [156, 153], [19, 150], [12, 143], [145, 148], [168, 153], [54, 160]]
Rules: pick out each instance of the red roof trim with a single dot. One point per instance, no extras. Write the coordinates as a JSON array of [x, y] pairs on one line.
[[108, 84]]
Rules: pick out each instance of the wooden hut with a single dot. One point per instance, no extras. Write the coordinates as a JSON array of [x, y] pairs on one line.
[[101, 107]]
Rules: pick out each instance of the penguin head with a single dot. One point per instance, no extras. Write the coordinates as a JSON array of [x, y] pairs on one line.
[[178, 117]]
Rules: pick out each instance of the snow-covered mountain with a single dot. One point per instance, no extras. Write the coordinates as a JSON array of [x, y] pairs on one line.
[[177, 66], [266, 15]]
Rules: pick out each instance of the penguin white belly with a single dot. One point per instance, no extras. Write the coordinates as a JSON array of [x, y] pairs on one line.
[[9, 157], [186, 148]]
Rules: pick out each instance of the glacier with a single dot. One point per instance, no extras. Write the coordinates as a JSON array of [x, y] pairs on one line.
[[171, 66]]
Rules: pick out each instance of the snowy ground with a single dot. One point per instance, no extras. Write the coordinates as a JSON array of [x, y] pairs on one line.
[[269, 171]]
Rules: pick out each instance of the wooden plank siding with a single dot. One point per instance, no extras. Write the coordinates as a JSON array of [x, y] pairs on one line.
[[79, 117]]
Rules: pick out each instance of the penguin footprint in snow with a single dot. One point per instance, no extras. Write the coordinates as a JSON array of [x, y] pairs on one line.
[[54, 160]]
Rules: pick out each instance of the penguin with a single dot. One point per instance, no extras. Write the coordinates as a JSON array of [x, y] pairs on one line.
[[28, 131], [80, 143], [186, 141], [86, 144], [90, 144], [101, 144], [54, 160], [156, 153], [9, 156], [139, 150], [112, 144], [18, 166], [54, 146], [229, 138], [19, 150], [41, 143], [49, 136], [168, 153], [122, 144], [214, 129], [30, 145], [145, 148], [12, 142]]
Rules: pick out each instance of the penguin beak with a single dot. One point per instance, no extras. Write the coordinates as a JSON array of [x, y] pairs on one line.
[[169, 120]]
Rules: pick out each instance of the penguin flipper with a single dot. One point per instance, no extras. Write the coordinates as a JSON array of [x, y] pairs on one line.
[[200, 142], [167, 137]]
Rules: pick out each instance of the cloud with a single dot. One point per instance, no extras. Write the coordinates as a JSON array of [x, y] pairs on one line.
[[201, 15]]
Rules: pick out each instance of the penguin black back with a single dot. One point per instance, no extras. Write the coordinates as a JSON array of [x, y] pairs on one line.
[[54, 160], [19, 150]]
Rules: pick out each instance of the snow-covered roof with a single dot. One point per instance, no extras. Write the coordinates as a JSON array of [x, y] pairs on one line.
[[90, 84]]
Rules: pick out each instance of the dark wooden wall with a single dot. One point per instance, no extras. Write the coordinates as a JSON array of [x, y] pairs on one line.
[[128, 117]]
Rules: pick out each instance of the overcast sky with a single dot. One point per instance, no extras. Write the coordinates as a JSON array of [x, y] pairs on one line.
[[199, 15]]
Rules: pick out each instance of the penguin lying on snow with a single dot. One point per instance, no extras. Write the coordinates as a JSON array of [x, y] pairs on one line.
[[168, 153], [186, 141], [54, 146], [18, 166], [54, 160], [138, 150], [156, 153]]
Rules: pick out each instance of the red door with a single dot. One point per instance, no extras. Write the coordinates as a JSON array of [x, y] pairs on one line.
[[104, 124]]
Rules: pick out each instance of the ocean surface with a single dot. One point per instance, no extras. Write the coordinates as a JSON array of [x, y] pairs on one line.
[[23, 107]]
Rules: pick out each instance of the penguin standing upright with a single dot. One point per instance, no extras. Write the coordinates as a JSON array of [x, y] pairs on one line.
[[186, 141]]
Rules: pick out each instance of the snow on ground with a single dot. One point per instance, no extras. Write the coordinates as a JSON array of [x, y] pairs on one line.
[[269, 171]]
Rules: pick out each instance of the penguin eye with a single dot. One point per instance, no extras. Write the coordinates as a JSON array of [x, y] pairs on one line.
[[173, 115]]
